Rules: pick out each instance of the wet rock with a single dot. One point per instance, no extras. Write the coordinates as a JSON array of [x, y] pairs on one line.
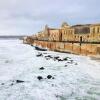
[[39, 77], [65, 59], [53, 78], [19, 81], [56, 57], [39, 55], [68, 62], [71, 60], [52, 85], [42, 68], [60, 60], [2, 84], [76, 63], [11, 84], [44, 53], [49, 76], [65, 65], [48, 56]]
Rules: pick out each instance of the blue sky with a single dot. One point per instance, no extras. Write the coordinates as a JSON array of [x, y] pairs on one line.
[[30, 16]]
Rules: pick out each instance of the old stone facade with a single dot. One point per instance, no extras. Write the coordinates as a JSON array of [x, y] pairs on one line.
[[67, 32], [85, 33], [77, 39]]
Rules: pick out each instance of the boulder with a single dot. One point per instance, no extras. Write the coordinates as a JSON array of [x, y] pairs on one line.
[[19, 81], [39, 55], [39, 77], [49, 76], [42, 68]]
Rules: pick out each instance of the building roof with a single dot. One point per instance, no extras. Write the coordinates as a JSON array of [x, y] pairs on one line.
[[97, 24], [64, 24], [81, 25]]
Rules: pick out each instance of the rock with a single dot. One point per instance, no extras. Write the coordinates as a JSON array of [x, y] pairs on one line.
[[49, 76], [53, 78], [52, 85], [76, 64], [42, 68], [60, 60], [44, 53], [48, 56], [66, 65], [39, 55], [71, 60], [11, 84], [39, 77], [68, 62], [65, 59], [2, 84], [56, 57], [19, 81]]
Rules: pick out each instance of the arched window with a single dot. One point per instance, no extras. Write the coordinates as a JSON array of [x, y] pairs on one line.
[[93, 30], [98, 30], [88, 36]]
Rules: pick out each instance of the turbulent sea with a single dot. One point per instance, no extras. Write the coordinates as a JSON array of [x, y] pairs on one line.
[[76, 78]]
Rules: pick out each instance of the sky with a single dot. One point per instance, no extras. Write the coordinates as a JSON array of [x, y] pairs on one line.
[[19, 17]]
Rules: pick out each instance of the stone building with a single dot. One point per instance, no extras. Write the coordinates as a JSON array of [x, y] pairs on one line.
[[81, 32], [54, 34], [67, 33], [95, 32]]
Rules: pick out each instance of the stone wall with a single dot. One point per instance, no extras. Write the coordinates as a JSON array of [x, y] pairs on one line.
[[84, 49]]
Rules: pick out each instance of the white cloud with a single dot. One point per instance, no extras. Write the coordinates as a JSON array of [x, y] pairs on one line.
[[29, 16]]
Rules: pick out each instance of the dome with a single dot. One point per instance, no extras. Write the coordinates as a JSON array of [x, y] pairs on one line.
[[64, 24]]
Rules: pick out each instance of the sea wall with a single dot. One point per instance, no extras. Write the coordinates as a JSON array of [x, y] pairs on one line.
[[76, 48]]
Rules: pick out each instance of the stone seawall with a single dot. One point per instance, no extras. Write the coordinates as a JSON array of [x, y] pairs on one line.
[[84, 49]]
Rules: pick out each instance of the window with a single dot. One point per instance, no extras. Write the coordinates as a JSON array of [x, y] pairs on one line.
[[88, 36], [98, 30], [93, 30]]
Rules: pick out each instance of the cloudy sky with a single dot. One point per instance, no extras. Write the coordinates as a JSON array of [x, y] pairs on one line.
[[30, 16]]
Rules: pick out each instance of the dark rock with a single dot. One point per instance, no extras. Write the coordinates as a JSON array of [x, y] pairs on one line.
[[48, 56], [71, 60], [39, 55], [60, 60], [42, 68], [19, 81], [66, 65], [56, 57], [2, 84], [68, 62], [52, 85], [49, 76], [76, 64], [65, 59], [44, 53], [53, 78], [11, 84], [39, 77]]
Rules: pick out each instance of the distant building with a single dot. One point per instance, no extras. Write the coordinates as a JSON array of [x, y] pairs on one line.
[[67, 32], [85, 33]]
